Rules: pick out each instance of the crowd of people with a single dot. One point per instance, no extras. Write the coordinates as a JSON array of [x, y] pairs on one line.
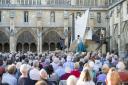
[[62, 68]]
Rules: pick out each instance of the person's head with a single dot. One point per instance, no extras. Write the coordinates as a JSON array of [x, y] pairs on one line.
[[76, 65], [113, 76], [85, 74], [42, 82], [120, 66], [43, 74], [11, 69], [36, 63], [78, 36], [24, 69], [18, 65], [105, 68], [72, 80]]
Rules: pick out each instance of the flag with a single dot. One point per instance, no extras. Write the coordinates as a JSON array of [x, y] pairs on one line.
[[81, 24]]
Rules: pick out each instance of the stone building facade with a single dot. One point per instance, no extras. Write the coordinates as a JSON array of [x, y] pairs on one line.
[[38, 25]]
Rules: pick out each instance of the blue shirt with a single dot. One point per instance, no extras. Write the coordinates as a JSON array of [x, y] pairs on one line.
[[10, 79]]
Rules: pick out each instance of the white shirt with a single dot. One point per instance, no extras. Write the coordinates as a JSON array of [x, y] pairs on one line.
[[80, 82]]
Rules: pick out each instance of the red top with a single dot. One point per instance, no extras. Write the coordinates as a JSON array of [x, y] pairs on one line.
[[124, 76], [76, 73], [65, 76]]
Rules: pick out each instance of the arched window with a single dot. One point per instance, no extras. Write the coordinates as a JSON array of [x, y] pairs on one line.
[[25, 16], [26, 47], [19, 47], [52, 16]]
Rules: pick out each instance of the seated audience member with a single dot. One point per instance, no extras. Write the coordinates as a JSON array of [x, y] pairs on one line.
[[60, 71], [69, 63], [24, 80], [101, 77], [122, 72], [85, 77], [75, 71], [9, 76], [44, 76], [113, 77], [41, 82], [34, 72], [72, 80]]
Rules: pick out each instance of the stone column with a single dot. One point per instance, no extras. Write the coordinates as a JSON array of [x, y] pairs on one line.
[[66, 18], [39, 32], [119, 34], [111, 33], [12, 32], [12, 36], [39, 41]]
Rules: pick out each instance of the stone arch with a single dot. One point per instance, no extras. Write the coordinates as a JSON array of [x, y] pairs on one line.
[[19, 47], [4, 39], [6, 47], [26, 47], [52, 46], [1, 47], [26, 38], [33, 47], [58, 46], [45, 46], [52, 38], [26, 30]]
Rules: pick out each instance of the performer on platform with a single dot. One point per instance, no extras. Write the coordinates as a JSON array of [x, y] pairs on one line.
[[80, 45]]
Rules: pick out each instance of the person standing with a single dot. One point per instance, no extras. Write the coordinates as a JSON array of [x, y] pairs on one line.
[[80, 45]]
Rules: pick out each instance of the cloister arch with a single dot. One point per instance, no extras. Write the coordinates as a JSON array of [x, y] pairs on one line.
[[51, 38], [26, 42], [4, 42]]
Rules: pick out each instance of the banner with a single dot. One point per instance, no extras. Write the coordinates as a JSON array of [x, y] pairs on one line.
[[81, 24]]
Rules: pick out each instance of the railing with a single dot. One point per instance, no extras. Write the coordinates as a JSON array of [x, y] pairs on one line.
[[56, 5]]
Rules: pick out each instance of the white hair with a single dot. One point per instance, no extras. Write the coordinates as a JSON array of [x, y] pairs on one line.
[[35, 63], [91, 64], [72, 80], [24, 68], [120, 65], [18, 65], [43, 74]]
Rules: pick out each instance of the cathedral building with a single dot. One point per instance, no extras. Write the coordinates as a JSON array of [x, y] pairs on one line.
[[39, 25]]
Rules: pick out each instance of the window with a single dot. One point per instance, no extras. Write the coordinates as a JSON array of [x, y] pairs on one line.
[[7, 1], [25, 16], [22, 2], [52, 16], [26, 1], [38, 2], [99, 17], [3, 1], [79, 14], [30, 2], [0, 16]]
